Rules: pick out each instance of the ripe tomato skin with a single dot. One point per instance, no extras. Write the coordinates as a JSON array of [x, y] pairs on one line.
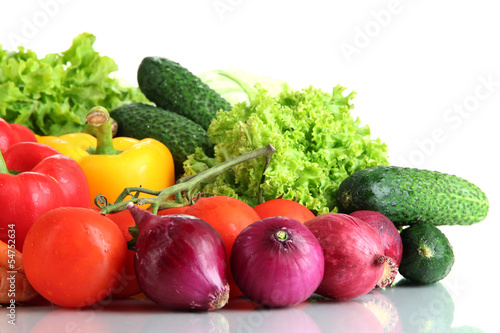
[[173, 210], [284, 207], [229, 216], [127, 285], [73, 257]]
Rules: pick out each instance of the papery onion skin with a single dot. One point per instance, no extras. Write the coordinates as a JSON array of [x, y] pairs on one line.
[[354, 255], [180, 261], [277, 272]]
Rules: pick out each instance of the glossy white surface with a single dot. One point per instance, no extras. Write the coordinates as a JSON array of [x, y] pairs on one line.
[[428, 81], [401, 308]]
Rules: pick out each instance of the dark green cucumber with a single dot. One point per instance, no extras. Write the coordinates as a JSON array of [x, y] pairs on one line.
[[427, 254], [409, 196], [173, 87], [179, 134]]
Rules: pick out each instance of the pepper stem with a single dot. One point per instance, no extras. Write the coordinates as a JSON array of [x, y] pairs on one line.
[[99, 118], [185, 185], [3, 165]]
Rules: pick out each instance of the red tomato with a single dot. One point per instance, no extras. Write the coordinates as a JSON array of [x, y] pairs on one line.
[[73, 256], [173, 210], [229, 216], [127, 286], [284, 207]]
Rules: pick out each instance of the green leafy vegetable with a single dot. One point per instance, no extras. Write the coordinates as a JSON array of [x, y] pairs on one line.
[[237, 86], [317, 140], [52, 95]]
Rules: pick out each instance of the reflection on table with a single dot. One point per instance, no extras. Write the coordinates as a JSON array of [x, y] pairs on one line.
[[404, 307]]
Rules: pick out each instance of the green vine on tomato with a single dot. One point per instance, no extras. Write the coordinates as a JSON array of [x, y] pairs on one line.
[[186, 185]]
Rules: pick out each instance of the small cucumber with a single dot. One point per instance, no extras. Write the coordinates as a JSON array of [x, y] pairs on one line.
[[173, 87], [179, 134], [409, 196], [427, 254]]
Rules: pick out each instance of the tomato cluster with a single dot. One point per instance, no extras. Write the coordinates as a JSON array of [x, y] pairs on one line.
[[67, 248]]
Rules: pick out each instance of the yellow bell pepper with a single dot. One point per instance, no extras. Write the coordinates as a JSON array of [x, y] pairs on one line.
[[113, 164], [74, 145]]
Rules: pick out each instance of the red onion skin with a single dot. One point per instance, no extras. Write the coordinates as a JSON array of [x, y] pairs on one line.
[[391, 239], [277, 273], [354, 255], [180, 261]]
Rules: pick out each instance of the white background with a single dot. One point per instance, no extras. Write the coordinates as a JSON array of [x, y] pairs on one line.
[[426, 74]]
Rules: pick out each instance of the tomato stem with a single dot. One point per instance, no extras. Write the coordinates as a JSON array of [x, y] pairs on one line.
[[186, 184], [99, 118]]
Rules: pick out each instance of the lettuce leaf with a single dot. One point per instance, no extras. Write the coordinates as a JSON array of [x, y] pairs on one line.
[[317, 140], [237, 86], [52, 95]]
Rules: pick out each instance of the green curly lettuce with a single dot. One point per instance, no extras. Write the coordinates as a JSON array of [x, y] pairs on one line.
[[52, 95], [318, 145]]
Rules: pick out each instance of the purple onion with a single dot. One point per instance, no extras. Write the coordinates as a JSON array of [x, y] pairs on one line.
[[180, 261], [277, 262], [391, 239], [354, 255]]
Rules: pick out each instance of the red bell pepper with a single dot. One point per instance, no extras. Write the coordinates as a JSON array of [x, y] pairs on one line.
[[13, 133], [35, 178]]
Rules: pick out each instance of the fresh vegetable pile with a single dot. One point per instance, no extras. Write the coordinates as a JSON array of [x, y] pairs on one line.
[[272, 195]]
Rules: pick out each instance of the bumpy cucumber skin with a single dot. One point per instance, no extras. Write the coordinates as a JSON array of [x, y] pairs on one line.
[[171, 86], [409, 196], [179, 134], [417, 267]]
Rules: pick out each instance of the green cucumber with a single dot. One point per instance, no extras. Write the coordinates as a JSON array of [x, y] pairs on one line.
[[409, 196], [427, 254], [180, 134], [173, 87]]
